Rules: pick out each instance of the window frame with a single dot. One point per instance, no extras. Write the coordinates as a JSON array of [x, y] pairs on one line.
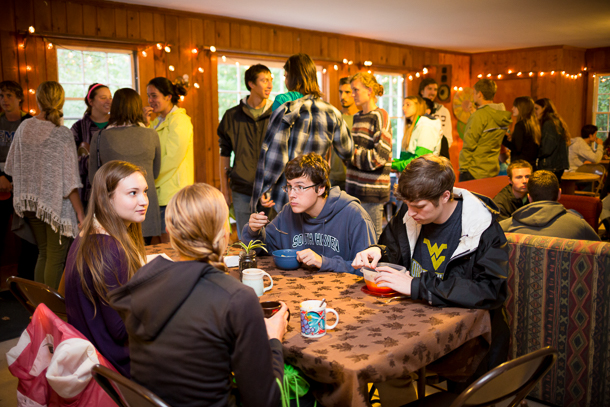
[[107, 50], [400, 125], [595, 111]]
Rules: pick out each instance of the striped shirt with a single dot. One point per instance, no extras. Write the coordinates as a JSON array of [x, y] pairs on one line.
[[368, 173]]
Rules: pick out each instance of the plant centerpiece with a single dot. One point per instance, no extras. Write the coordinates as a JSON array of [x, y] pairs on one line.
[[247, 257]]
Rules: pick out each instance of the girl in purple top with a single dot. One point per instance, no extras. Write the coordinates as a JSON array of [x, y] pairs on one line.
[[105, 255]]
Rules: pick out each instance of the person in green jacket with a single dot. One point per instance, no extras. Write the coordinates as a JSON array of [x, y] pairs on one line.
[[175, 132], [483, 135]]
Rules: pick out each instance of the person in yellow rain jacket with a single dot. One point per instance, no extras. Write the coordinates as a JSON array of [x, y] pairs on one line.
[[175, 132]]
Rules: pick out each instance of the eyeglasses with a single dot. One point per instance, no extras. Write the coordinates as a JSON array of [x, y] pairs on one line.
[[298, 189]]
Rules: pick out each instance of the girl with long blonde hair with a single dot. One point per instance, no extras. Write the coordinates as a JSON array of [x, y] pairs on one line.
[[423, 135], [555, 138], [205, 322], [525, 140], [368, 173], [106, 255], [42, 161]]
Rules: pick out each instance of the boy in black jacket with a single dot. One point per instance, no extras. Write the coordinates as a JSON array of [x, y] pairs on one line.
[[452, 244]]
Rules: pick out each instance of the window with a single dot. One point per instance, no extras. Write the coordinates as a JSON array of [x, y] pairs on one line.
[[601, 105], [78, 68], [231, 85], [391, 102]]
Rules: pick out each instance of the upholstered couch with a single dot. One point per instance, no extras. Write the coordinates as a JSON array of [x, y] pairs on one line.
[[589, 207], [559, 295]]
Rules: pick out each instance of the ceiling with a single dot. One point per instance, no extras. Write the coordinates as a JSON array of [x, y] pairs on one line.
[[457, 25]]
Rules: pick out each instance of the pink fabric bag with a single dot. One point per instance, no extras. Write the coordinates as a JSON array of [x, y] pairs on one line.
[[53, 362]]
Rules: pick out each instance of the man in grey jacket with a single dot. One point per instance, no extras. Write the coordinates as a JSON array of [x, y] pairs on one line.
[[544, 216]]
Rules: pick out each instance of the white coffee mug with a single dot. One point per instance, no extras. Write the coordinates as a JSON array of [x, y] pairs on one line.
[[254, 278], [313, 319]]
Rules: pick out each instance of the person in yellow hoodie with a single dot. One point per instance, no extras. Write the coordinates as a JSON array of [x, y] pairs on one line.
[[175, 132]]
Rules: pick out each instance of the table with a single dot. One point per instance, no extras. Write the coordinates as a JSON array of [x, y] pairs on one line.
[[376, 340], [569, 180]]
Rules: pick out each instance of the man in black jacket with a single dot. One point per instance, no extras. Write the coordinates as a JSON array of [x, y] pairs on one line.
[[514, 195], [242, 131], [452, 244]]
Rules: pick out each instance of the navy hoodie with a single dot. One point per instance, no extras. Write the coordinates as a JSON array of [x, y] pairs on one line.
[[338, 233]]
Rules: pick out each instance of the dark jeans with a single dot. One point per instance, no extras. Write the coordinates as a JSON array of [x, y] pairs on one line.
[[465, 176]]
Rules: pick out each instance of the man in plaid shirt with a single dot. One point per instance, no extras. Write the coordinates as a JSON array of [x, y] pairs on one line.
[[302, 126]]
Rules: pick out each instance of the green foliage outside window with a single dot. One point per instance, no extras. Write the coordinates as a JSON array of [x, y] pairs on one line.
[[602, 114]]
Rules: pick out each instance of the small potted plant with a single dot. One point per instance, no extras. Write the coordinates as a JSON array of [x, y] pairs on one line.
[[247, 257]]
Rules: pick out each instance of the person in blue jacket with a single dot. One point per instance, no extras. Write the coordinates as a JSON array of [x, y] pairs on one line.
[[326, 225]]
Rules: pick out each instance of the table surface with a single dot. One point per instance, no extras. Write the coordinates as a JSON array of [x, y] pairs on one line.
[[377, 339], [579, 176]]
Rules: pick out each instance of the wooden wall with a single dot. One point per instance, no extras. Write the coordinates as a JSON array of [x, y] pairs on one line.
[[569, 95], [101, 23]]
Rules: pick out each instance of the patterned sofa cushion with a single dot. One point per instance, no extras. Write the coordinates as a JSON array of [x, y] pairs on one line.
[[559, 295]]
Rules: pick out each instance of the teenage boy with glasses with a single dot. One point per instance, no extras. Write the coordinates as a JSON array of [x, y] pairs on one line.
[[326, 225]]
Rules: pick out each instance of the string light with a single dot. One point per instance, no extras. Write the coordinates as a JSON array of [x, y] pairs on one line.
[[32, 111], [194, 50], [531, 73], [236, 63], [168, 49], [28, 68], [350, 62], [584, 69], [460, 89], [410, 77], [171, 68], [499, 76], [144, 54], [425, 70], [563, 72], [212, 49], [369, 71], [31, 29], [541, 73], [324, 70], [552, 72], [417, 74], [345, 60], [510, 71], [455, 88], [159, 46], [50, 45], [196, 85], [200, 69], [489, 75], [21, 45], [519, 74], [479, 75], [579, 74], [336, 68], [224, 59], [32, 91], [181, 98]]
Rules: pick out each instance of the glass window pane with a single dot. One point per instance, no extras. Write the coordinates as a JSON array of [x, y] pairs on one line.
[[225, 102], [227, 77], [602, 122], [604, 84], [75, 91], [74, 109], [603, 103], [70, 67]]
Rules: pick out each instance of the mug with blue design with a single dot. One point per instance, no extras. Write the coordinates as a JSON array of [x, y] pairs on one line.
[[313, 319]]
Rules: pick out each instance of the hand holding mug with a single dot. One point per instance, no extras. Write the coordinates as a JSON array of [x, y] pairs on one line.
[[277, 325]]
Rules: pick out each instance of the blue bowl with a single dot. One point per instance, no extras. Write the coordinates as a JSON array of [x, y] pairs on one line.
[[286, 259]]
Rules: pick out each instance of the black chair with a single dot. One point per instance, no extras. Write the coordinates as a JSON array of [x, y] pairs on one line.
[[123, 391], [30, 293], [515, 378]]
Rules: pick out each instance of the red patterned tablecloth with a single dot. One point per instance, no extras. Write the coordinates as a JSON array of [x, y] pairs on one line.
[[377, 339]]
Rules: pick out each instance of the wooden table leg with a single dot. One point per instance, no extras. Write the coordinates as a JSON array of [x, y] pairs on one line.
[[421, 383]]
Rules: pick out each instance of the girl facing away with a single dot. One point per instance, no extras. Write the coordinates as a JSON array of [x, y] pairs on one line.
[[105, 255]]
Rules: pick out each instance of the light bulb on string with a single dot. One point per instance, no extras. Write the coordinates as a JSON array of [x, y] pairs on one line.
[[499, 76], [31, 29], [541, 73], [335, 67], [21, 45], [552, 72], [171, 68], [531, 73], [181, 98], [480, 75], [144, 54], [32, 111], [194, 50], [212, 49], [28, 68], [519, 74], [460, 89], [345, 60], [425, 70], [159, 46], [489, 75], [410, 77], [196, 85], [32, 91], [417, 74], [350, 62], [510, 71], [455, 88], [324, 70], [168, 49], [50, 45], [200, 69]]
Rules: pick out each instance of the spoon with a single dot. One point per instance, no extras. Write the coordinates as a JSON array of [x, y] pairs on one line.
[[323, 301]]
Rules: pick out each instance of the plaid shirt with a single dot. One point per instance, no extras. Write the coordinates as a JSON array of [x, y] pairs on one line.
[[299, 127]]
